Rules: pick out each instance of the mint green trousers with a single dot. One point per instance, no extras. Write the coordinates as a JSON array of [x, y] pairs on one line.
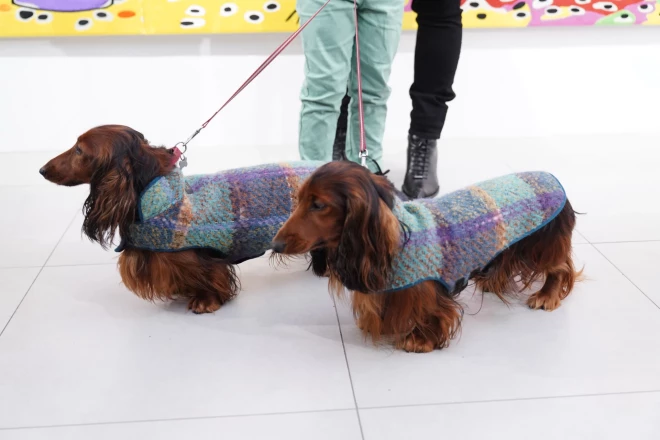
[[330, 70]]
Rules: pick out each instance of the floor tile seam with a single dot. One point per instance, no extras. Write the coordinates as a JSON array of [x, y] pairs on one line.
[[179, 419], [348, 367], [34, 280], [625, 276], [515, 399]]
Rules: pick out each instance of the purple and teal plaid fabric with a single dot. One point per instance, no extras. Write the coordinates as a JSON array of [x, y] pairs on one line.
[[456, 234], [235, 212]]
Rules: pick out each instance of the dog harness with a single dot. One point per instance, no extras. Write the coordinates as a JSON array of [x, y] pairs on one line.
[[456, 234], [236, 212]]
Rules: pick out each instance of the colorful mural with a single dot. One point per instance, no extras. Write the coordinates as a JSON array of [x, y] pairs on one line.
[[32, 18]]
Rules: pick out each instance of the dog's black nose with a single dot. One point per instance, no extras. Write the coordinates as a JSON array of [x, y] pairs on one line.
[[42, 171], [278, 246]]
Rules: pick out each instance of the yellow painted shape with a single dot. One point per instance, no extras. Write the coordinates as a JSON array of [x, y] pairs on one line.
[[67, 23], [654, 17], [238, 16], [495, 17]]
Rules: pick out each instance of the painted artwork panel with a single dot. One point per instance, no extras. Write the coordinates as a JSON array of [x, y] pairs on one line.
[[45, 18]]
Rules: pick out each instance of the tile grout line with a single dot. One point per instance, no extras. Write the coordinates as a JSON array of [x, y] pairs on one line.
[[617, 267], [284, 413], [38, 274], [622, 241], [516, 399], [624, 275], [113, 263], [59, 265], [176, 419], [348, 367]]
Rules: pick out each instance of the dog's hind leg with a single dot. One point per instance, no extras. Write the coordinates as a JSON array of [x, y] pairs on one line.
[[219, 285], [559, 282]]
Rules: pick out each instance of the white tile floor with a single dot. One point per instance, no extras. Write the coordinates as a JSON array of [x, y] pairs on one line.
[[81, 358]]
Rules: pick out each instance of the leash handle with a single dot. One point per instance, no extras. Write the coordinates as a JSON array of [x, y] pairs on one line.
[[256, 73], [364, 153]]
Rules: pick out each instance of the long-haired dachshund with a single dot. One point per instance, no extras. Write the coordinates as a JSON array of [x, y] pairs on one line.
[[406, 262], [180, 237]]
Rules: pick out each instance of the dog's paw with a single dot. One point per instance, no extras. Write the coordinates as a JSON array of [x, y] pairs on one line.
[[544, 301], [414, 343], [204, 304]]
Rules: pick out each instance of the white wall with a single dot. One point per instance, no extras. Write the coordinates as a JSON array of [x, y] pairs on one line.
[[527, 82]]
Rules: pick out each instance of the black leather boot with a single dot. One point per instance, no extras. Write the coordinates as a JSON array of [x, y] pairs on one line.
[[339, 147], [422, 168]]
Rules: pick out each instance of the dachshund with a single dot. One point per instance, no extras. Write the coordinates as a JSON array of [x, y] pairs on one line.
[[165, 258], [357, 232]]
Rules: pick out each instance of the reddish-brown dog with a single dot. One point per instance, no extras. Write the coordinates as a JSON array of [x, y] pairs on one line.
[[344, 218], [118, 163]]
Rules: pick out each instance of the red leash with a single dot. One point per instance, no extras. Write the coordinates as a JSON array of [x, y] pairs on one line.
[[179, 154], [364, 153]]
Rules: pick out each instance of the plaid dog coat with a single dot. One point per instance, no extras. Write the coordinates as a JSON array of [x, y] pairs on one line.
[[454, 235], [236, 212]]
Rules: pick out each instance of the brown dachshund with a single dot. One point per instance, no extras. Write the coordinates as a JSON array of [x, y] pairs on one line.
[[345, 218], [118, 163]]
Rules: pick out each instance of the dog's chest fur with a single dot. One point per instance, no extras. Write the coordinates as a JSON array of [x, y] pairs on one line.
[[456, 234], [236, 212]]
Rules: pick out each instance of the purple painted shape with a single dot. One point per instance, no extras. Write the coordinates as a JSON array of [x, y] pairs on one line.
[[640, 15], [589, 18], [64, 5]]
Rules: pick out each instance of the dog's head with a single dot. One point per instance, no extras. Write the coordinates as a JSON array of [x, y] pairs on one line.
[[345, 210], [95, 152], [118, 163]]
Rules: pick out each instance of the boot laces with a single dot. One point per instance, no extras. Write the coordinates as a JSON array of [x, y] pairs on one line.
[[419, 164]]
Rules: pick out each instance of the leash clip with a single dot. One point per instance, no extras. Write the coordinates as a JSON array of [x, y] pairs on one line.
[[364, 154], [178, 156]]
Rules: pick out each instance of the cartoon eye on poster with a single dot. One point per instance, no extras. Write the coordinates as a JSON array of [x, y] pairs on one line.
[[47, 18]]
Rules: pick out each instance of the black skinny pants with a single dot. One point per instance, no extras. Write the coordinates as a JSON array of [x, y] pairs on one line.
[[437, 50]]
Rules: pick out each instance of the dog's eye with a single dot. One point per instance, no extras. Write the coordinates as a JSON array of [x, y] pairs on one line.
[[78, 151], [317, 206]]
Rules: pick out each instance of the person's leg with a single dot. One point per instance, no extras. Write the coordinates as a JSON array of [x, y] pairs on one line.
[[380, 29], [437, 52], [327, 46], [339, 147]]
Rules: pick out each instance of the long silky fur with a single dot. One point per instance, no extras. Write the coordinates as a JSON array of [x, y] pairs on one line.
[[187, 274], [546, 251], [119, 163], [116, 185], [426, 316]]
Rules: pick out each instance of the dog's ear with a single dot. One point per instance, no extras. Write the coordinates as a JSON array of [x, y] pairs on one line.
[[385, 189], [367, 243], [116, 185]]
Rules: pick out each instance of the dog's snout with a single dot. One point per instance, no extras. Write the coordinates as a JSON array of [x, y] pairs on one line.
[[43, 171], [278, 246]]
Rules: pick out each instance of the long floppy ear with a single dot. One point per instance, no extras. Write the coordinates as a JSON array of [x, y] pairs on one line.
[[369, 237], [116, 186]]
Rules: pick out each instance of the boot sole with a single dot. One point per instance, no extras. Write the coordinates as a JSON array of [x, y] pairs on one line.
[[430, 196]]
